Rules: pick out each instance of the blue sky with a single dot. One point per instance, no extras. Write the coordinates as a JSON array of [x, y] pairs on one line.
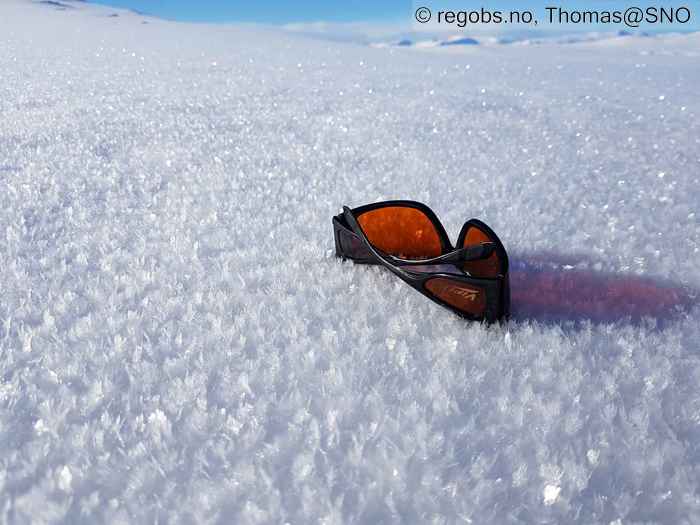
[[302, 11], [270, 11]]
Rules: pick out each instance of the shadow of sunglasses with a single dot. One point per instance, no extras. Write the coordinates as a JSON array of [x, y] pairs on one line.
[[553, 288]]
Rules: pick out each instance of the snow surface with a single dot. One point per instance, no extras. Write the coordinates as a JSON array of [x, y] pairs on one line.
[[179, 344]]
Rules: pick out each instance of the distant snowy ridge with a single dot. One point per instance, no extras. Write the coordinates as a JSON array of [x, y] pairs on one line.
[[85, 6], [459, 40]]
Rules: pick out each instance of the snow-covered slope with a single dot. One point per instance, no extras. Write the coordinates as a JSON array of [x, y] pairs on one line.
[[177, 342]]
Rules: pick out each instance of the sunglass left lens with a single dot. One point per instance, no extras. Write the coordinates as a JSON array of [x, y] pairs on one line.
[[465, 297], [490, 267], [401, 231]]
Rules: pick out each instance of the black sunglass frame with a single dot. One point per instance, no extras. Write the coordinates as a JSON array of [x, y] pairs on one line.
[[352, 243]]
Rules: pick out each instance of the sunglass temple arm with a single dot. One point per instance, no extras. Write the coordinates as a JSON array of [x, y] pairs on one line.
[[469, 253]]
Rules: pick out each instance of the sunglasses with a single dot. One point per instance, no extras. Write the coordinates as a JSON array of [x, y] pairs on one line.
[[407, 238]]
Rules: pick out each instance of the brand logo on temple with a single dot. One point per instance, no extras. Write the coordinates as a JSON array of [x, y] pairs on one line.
[[467, 293]]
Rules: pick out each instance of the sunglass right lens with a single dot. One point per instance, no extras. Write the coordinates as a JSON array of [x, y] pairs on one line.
[[401, 231]]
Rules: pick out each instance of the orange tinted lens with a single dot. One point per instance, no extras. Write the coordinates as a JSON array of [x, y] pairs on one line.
[[490, 267], [400, 231], [465, 297]]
